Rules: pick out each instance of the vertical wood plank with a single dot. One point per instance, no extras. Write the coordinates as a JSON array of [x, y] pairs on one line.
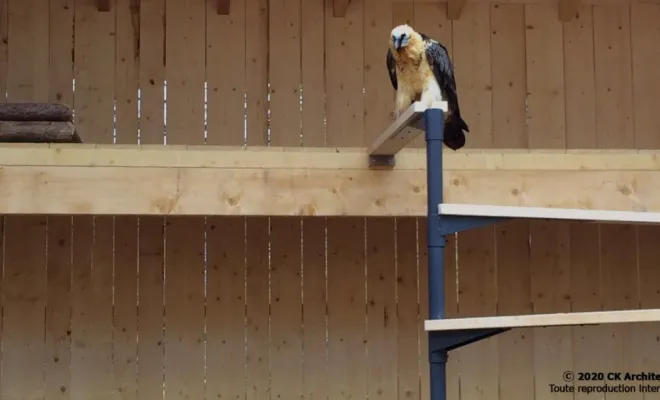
[[646, 338], [152, 71], [646, 84], [313, 72], [28, 51], [545, 77], [344, 81], [151, 345], [58, 311], [61, 47], [382, 322], [315, 371], [225, 310], [185, 73], [579, 80], [286, 309], [378, 91], [612, 54], [225, 72], [91, 324], [94, 72], [508, 75], [408, 318], [258, 302], [126, 69], [514, 298], [472, 58], [422, 288], [125, 333], [256, 71], [347, 359], [403, 12], [588, 341], [478, 297], [551, 288], [620, 276], [24, 306], [184, 308], [285, 72], [4, 48]]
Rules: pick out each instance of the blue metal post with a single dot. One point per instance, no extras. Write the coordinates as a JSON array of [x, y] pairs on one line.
[[434, 127]]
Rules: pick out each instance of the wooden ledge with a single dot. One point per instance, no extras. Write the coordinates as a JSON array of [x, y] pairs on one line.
[[212, 180], [544, 320]]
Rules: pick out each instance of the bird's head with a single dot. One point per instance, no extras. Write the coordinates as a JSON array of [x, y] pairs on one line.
[[401, 36]]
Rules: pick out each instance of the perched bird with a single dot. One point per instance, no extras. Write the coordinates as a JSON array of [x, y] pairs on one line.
[[420, 70]]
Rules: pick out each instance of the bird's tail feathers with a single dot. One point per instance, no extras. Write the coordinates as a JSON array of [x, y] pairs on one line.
[[454, 137]]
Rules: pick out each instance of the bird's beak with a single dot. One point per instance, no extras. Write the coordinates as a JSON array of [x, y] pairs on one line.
[[400, 42]]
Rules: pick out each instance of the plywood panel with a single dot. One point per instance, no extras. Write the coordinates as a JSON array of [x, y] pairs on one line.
[[612, 54], [284, 72], [472, 58], [184, 308], [258, 302], [24, 304], [347, 368], [225, 74], [315, 377], [185, 72], [94, 72], [152, 71], [225, 308], [256, 71], [286, 317], [91, 321], [151, 310], [477, 296], [58, 309], [125, 321], [344, 81]]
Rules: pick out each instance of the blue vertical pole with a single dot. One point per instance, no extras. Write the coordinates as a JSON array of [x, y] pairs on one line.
[[434, 126]]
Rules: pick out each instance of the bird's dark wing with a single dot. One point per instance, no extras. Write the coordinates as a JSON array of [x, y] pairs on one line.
[[391, 68], [443, 70]]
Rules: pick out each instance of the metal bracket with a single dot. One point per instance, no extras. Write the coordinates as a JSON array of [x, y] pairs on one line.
[[442, 341], [450, 224], [381, 161]]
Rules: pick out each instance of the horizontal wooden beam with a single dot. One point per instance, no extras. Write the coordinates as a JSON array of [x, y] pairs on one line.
[[544, 320], [210, 180]]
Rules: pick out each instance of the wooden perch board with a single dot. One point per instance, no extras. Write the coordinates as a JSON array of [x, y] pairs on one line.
[[544, 320], [211, 180], [403, 130], [572, 214], [38, 132], [35, 112]]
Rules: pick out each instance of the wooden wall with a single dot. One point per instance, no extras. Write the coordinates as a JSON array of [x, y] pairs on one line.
[[229, 308]]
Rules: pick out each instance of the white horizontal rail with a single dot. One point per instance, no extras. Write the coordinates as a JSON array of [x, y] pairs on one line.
[[542, 320], [477, 210]]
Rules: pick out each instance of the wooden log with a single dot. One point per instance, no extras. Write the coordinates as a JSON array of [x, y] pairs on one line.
[[35, 112], [38, 132]]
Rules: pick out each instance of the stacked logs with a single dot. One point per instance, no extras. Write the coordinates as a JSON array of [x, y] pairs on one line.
[[37, 123]]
